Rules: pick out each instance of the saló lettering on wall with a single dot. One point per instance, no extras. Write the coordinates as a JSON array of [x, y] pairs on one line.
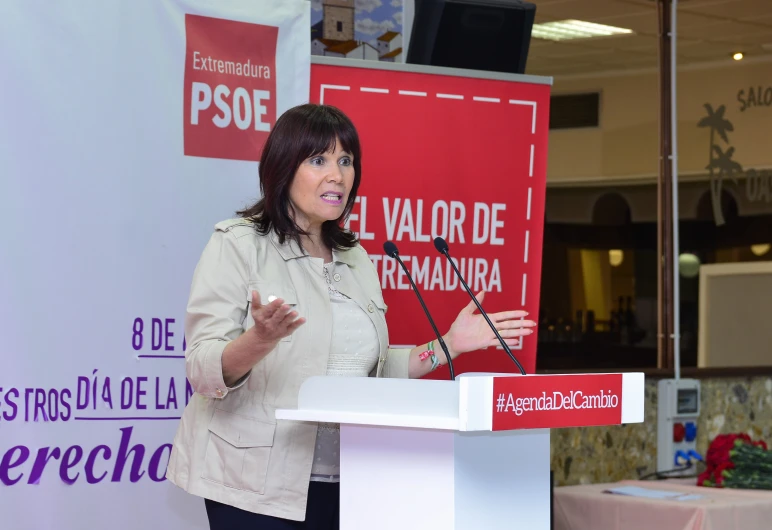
[[758, 184], [758, 96]]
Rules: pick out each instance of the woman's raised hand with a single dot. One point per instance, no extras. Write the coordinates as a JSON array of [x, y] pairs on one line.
[[274, 320], [471, 332]]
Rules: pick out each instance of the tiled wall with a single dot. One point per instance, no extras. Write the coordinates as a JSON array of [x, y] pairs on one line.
[[608, 454]]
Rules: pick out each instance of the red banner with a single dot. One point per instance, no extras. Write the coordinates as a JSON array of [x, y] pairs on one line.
[[463, 158], [230, 87], [556, 401]]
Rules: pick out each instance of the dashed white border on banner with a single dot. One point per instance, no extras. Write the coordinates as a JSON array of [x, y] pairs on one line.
[[479, 99]]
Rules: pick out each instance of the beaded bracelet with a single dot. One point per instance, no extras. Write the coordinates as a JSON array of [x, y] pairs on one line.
[[429, 353]]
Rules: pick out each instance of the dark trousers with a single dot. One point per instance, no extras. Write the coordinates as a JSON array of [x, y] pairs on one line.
[[322, 513]]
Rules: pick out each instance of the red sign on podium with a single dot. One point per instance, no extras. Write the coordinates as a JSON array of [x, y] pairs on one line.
[[556, 401]]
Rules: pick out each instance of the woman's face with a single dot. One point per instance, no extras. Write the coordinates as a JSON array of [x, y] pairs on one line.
[[319, 192]]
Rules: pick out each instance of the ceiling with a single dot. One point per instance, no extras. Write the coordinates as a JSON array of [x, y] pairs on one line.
[[707, 31]]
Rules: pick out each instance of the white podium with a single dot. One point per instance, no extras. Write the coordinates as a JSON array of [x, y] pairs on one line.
[[470, 454]]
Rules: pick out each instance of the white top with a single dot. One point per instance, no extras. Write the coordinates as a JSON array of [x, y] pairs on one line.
[[353, 353]]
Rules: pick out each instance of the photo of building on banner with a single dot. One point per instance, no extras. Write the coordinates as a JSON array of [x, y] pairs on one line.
[[358, 29], [485, 198]]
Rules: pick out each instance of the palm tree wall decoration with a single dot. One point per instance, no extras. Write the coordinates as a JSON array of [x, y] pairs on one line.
[[720, 163]]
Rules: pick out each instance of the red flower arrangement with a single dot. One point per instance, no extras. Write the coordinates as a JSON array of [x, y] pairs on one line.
[[736, 461]]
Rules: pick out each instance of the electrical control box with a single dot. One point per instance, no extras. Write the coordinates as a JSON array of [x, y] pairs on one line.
[[678, 408]]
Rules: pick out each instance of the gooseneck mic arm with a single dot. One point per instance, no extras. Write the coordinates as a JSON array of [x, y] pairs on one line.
[[442, 247], [391, 251]]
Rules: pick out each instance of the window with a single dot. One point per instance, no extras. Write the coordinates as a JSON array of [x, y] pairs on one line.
[[574, 111], [340, 26], [599, 307]]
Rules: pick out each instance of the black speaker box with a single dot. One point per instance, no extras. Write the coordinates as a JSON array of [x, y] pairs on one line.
[[490, 35]]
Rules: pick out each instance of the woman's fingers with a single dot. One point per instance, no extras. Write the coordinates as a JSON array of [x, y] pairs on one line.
[[289, 323], [511, 333], [263, 313], [510, 342], [508, 315], [290, 318], [515, 324], [278, 316], [295, 325]]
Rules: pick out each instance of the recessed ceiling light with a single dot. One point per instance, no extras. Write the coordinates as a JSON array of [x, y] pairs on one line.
[[574, 29], [738, 56]]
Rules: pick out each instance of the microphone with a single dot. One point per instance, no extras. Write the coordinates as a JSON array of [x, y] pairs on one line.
[[391, 251], [442, 247]]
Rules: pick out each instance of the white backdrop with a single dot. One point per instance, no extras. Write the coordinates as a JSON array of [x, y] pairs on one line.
[[103, 218]]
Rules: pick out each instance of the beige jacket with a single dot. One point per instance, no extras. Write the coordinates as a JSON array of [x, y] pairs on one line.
[[229, 446]]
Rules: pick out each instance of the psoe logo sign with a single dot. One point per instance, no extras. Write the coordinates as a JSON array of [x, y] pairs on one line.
[[230, 87]]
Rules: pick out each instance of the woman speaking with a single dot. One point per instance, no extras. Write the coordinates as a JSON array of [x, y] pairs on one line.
[[280, 294]]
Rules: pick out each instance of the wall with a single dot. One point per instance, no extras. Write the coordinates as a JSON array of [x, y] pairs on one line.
[[734, 309], [609, 454], [626, 144]]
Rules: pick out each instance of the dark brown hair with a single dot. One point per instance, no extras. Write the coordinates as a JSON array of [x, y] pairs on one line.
[[302, 132]]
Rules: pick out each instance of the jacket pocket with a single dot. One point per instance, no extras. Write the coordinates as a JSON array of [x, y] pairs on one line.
[[238, 451], [377, 305], [268, 292]]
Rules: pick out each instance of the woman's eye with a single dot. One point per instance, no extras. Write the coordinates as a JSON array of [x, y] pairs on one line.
[[317, 161], [345, 161]]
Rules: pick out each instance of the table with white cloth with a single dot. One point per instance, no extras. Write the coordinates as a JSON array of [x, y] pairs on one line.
[[588, 507]]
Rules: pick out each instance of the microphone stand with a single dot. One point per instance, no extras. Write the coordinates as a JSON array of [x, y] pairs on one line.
[[395, 255], [442, 247]]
